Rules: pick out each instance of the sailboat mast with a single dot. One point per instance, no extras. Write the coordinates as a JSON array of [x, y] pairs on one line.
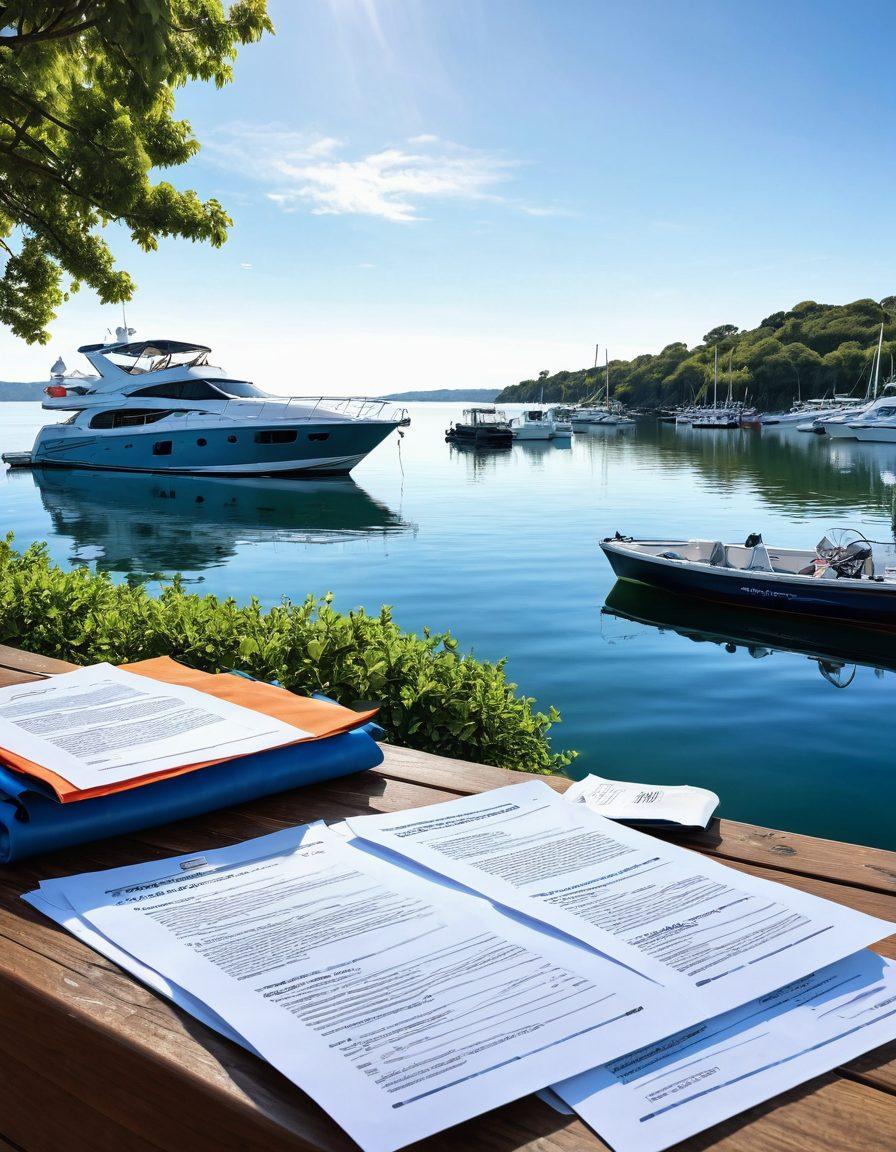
[[715, 378], [607, 360], [880, 348]]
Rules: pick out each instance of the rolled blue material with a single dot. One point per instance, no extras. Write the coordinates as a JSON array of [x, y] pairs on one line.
[[33, 821]]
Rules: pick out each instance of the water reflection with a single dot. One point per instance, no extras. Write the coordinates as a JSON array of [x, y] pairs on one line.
[[148, 524], [792, 471], [837, 649]]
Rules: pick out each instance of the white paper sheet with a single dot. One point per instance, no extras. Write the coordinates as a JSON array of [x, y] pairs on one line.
[[400, 1004], [66, 917], [51, 900], [664, 1093], [102, 725], [644, 803], [675, 916]]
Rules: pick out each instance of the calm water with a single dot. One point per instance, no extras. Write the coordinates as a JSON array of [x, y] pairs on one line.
[[793, 729]]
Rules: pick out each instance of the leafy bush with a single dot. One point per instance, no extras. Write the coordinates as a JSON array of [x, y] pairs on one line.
[[432, 697]]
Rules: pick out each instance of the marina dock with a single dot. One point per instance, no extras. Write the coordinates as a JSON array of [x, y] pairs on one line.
[[93, 1060]]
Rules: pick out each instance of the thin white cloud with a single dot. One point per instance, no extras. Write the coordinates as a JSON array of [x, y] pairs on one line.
[[424, 138], [245, 265], [319, 174], [548, 210]]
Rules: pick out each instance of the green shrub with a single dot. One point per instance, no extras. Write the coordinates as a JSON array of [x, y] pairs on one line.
[[432, 697]]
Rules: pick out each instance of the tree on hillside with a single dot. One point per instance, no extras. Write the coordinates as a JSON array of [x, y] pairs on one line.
[[86, 112], [720, 333]]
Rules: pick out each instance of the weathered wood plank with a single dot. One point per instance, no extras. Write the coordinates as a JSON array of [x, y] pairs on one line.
[[20, 661]]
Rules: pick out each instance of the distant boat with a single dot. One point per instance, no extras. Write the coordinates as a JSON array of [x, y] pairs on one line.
[[533, 424], [836, 580], [728, 416], [804, 410], [608, 416], [485, 427]]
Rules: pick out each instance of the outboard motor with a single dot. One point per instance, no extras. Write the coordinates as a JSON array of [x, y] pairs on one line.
[[753, 540], [852, 559], [849, 559]]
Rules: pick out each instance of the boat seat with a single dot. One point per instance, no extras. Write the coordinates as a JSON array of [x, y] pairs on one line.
[[718, 557]]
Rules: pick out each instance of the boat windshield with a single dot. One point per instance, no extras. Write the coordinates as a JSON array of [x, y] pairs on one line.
[[242, 389], [484, 416]]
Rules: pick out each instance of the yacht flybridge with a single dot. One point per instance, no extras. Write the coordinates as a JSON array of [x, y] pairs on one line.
[[160, 406]]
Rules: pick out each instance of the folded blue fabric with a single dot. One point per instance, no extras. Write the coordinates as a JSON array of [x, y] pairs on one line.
[[33, 821]]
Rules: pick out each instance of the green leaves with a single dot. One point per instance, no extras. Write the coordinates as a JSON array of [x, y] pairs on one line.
[[86, 112], [432, 698]]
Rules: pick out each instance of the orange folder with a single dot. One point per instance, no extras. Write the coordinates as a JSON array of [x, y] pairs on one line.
[[315, 716]]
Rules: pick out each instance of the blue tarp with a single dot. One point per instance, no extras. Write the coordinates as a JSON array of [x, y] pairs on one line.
[[33, 821]]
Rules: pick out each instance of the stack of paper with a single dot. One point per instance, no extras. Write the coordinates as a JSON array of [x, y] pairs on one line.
[[105, 750], [101, 729], [410, 971]]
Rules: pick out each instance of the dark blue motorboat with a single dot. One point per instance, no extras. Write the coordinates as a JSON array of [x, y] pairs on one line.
[[836, 580]]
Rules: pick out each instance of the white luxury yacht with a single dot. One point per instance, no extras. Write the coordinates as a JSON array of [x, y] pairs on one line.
[[160, 406]]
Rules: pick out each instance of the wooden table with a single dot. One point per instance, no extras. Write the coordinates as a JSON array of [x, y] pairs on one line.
[[91, 1059]]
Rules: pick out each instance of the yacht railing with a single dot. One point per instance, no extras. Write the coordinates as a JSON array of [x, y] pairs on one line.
[[313, 408]]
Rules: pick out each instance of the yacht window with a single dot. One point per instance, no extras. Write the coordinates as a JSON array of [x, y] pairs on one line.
[[161, 448], [181, 390], [128, 417], [241, 388], [318, 435], [276, 436]]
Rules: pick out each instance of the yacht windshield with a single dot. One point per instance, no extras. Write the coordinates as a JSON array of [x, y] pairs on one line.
[[241, 388]]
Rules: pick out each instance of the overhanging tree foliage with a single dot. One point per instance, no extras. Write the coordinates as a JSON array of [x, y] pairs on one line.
[[86, 113]]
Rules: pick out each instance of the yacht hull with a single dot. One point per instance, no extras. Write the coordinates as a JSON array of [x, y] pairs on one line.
[[850, 601], [282, 450], [880, 434]]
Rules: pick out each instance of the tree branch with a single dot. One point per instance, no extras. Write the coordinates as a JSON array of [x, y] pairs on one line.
[[34, 106], [23, 39]]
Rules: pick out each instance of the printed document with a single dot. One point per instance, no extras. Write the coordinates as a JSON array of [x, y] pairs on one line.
[[666, 1092], [675, 916], [401, 1004], [102, 725], [648, 804]]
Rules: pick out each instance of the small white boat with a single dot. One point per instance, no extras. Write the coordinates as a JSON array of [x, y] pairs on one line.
[[562, 418], [871, 414], [533, 424]]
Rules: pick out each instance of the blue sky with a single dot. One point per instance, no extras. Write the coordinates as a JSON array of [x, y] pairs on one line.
[[461, 193]]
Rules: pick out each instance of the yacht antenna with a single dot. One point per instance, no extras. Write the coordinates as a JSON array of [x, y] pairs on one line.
[[880, 345]]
